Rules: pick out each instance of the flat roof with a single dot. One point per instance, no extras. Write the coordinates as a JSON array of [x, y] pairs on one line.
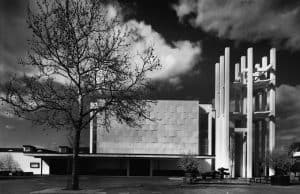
[[107, 155], [37, 150], [11, 149]]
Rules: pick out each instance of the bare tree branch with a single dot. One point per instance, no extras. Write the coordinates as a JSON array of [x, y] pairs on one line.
[[79, 56]]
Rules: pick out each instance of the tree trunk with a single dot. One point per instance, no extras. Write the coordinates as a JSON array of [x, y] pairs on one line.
[[75, 181]]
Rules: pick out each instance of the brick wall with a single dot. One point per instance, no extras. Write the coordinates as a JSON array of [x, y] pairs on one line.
[[174, 131]]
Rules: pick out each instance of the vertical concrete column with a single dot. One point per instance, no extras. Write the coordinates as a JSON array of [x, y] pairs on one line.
[[220, 135], [264, 93], [272, 103], [260, 101], [266, 145], [243, 69], [244, 147], [264, 63], [217, 89], [249, 112], [222, 85], [209, 132], [91, 130], [226, 108], [218, 128], [258, 95], [263, 144], [232, 153], [260, 143], [237, 95], [237, 72]]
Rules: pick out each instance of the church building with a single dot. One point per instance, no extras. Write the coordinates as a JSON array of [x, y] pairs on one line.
[[236, 132]]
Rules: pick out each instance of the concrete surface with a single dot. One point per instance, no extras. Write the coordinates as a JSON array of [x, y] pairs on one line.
[[138, 185]]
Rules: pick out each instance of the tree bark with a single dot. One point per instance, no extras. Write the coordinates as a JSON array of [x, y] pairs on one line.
[[75, 181]]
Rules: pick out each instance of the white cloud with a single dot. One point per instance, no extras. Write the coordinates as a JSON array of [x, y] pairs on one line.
[[250, 20], [111, 12], [176, 59], [184, 8]]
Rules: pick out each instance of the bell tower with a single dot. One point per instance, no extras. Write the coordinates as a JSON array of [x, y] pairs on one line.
[[245, 114]]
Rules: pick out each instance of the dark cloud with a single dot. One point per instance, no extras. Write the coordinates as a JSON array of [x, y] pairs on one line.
[[288, 114], [16, 132], [13, 35], [246, 20], [14, 8]]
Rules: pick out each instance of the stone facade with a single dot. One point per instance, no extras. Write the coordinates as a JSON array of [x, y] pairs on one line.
[[175, 130]]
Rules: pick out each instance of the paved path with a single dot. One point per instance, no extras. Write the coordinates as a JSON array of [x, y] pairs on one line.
[[136, 185]]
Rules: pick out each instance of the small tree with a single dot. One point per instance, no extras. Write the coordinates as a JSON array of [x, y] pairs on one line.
[[78, 54], [280, 162], [294, 147]]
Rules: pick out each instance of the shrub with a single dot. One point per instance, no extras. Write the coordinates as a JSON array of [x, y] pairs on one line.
[[280, 162], [189, 164], [294, 147]]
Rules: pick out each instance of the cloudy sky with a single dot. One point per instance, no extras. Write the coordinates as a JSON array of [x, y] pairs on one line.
[[189, 36]]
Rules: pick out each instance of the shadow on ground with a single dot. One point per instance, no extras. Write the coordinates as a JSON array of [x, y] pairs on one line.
[[137, 185]]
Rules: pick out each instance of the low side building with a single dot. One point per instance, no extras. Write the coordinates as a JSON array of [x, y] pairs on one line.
[[16, 159]]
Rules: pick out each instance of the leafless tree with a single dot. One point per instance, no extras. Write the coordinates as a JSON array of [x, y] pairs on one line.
[[78, 55], [1, 164], [8, 163]]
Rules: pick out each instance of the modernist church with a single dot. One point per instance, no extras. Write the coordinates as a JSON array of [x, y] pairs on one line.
[[236, 132]]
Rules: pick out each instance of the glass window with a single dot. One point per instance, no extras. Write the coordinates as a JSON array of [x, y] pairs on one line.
[[34, 165]]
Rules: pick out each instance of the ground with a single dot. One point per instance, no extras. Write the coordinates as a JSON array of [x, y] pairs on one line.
[[137, 185]]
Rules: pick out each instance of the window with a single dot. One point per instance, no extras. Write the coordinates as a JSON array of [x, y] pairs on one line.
[[34, 165], [203, 134]]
